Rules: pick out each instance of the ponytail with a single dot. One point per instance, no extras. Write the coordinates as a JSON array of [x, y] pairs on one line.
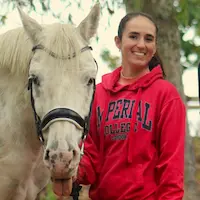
[[155, 61]]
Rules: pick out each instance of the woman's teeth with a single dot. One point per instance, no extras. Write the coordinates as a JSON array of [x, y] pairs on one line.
[[139, 53]]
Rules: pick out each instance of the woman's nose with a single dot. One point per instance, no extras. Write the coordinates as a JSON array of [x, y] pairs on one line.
[[141, 43]]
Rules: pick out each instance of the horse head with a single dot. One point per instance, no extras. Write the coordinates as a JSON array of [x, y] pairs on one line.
[[62, 76]]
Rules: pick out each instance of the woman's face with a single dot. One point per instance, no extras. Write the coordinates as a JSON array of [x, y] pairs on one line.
[[138, 43]]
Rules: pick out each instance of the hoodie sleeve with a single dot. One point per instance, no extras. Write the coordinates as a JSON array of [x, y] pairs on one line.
[[89, 161], [170, 166]]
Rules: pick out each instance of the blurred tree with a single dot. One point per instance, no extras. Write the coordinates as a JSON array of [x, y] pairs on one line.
[[111, 60]]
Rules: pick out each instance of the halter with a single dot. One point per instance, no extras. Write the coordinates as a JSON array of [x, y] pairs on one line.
[[58, 114]]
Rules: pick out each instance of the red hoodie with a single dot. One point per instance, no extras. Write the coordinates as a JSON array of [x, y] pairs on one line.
[[135, 146]]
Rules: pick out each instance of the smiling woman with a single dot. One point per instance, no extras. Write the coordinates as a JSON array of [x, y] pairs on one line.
[[137, 38], [134, 143], [137, 44]]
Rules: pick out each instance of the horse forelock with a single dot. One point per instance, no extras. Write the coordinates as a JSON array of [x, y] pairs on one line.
[[62, 40]]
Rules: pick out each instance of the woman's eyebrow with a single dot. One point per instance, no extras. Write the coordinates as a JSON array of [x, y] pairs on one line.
[[134, 33], [150, 35], [137, 33]]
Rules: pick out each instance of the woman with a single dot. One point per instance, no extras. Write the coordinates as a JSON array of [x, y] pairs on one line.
[[135, 146]]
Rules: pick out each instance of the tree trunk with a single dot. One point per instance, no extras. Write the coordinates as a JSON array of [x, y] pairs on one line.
[[169, 50]]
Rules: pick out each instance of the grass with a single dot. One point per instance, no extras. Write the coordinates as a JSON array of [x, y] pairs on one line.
[[47, 194]]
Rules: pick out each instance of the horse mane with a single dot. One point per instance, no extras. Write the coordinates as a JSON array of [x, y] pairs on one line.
[[15, 46]]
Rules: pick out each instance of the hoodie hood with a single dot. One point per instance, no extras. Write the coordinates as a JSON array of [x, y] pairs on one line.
[[109, 81], [110, 84]]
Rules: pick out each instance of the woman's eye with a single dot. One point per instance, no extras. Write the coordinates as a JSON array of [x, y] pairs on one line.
[[90, 82], [149, 39], [133, 36]]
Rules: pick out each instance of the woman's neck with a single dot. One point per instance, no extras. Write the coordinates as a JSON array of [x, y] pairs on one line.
[[128, 73]]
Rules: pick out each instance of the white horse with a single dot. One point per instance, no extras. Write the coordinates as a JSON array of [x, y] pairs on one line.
[[56, 62]]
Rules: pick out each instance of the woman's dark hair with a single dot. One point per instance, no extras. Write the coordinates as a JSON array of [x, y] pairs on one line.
[[156, 58]]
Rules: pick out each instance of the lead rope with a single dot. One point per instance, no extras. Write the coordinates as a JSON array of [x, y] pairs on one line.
[[76, 188]]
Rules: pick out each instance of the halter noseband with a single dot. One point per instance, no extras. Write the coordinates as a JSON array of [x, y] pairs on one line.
[[58, 114]]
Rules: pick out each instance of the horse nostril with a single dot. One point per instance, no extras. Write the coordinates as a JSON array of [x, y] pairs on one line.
[[74, 153], [47, 155]]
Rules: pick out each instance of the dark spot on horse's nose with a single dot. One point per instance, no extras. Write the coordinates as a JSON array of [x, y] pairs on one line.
[[53, 161], [60, 155], [54, 157], [47, 155], [67, 163]]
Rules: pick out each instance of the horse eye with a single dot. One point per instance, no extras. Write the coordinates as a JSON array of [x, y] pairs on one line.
[[90, 82], [36, 80]]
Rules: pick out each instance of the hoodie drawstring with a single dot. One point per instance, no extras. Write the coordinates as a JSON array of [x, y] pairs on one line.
[[132, 127]]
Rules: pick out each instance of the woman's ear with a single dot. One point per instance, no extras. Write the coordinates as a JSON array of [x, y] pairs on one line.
[[118, 42]]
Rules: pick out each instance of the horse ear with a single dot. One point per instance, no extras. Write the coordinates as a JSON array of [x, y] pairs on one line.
[[32, 28], [88, 27]]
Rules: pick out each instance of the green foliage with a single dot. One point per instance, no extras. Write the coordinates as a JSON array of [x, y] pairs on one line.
[[49, 195], [112, 61], [188, 13], [3, 19], [188, 18]]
